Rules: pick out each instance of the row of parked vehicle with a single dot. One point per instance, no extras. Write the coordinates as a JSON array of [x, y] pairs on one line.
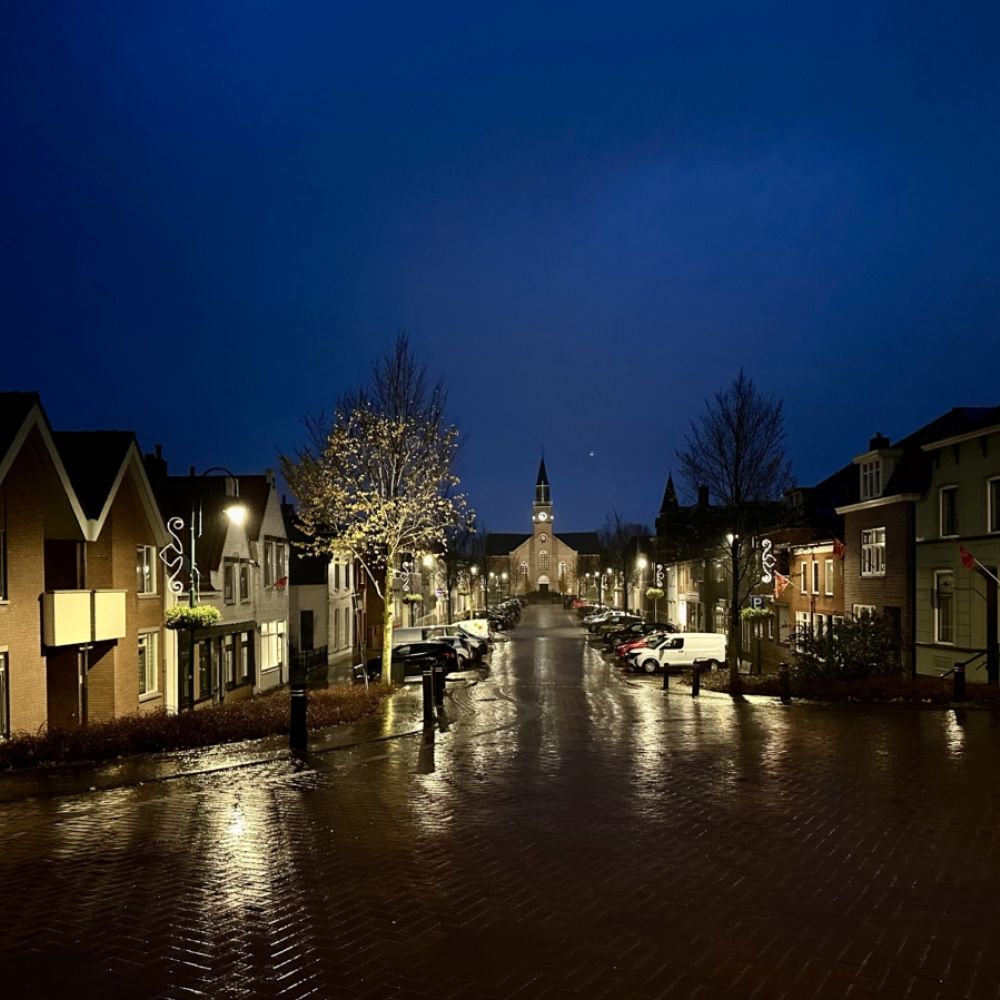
[[458, 646], [651, 647]]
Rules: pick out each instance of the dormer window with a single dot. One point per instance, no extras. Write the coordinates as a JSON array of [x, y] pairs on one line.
[[871, 479]]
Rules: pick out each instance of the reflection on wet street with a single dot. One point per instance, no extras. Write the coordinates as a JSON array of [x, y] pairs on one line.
[[572, 831]]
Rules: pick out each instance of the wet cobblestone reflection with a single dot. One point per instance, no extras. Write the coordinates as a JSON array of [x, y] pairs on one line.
[[572, 833]]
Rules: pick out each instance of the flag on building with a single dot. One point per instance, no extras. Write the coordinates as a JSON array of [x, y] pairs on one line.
[[839, 548], [780, 585], [968, 559]]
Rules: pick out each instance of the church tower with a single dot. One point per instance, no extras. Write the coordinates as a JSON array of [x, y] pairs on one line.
[[541, 509]]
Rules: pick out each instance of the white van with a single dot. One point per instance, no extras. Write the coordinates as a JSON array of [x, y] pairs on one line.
[[680, 651]]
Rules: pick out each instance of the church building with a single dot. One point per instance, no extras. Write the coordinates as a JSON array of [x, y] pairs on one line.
[[541, 561]]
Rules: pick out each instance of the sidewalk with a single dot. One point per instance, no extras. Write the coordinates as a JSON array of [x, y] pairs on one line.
[[405, 718]]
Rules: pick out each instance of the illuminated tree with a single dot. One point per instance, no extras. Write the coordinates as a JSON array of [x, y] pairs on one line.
[[375, 482]]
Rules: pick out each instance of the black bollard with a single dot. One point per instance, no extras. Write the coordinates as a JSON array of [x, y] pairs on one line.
[[428, 684], [298, 733], [696, 680], [666, 679], [438, 684], [785, 683], [959, 682]]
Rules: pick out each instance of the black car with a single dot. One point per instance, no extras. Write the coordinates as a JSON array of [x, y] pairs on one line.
[[636, 631], [415, 657]]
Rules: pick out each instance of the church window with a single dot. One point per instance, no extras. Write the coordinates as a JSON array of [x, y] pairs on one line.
[[562, 571], [523, 569], [543, 562]]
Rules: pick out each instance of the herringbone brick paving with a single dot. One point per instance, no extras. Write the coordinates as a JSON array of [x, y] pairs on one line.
[[572, 834]]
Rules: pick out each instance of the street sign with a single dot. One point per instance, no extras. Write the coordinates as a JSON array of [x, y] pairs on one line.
[[758, 601]]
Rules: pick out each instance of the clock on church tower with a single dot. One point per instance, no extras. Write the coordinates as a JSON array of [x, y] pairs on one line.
[[541, 509]]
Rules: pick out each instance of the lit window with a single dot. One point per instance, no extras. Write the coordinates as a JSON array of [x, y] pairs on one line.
[[147, 663], [871, 479], [944, 601], [873, 552], [948, 505], [145, 569], [543, 561], [229, 659], [829, 578], [272, 645]]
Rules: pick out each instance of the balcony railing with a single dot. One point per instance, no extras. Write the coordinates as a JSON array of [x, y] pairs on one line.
[[78, 617]]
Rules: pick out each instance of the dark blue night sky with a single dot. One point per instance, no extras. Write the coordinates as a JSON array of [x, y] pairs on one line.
[[588, 216]]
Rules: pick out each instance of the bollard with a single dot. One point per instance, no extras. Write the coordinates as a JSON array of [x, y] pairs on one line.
[[959, 682], [696, 680], [298, 734], [438, 684], [666, 680], [428, 684], [785, 683]]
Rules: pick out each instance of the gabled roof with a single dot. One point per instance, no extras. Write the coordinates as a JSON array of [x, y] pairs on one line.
[[15, 408], [504, 542], [584, 543], [94, 462]]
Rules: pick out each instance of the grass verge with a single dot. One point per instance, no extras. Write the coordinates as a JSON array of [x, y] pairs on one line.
[[875, 690], [155, 732]]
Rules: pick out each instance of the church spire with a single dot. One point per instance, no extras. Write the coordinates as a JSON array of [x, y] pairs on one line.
[[669, 497], [542, 483]]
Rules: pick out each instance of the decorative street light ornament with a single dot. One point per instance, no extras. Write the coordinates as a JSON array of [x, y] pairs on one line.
[[767, 561], [172, 555], [659, 574], [404, 574]]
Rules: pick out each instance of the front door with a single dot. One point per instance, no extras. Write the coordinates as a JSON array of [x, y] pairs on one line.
[[306, 630]]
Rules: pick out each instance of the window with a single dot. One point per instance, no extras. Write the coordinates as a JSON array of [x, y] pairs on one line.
[[229, 581], [770, 627], [348, 639], [229, 659], [871, 479], [145, 569], [336, 573], [524, 569], [244, 582], [543, 561], [148, 673], [205, 669], [948, 506], [815, 566], [4, 696], [873, 552], [992, 515], [274, 561], [944, 600], [3, 565], [803, 583], [246, 655], [857, 610], [336, 629], [272, 645], [829, 578]]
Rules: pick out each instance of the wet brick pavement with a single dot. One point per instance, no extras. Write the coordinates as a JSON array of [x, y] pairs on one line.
[[573, 833]]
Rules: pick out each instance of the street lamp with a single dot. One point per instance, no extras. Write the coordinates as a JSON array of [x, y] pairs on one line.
[[641, 564], [237, 514], [503, 584]]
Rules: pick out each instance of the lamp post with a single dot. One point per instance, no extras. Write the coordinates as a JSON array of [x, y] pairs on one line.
[[503, 584], [641, 565], [237, 513]]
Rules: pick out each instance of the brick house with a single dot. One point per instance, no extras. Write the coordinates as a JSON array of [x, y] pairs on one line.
[[880, 525], [956, 617], [81, 601]]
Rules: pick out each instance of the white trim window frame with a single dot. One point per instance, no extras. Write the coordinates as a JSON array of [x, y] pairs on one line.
[[272, 645], [873, 552], [992, 507], [803, 578], [948, 511], [149, 673], [828, 589], [815, 576], [145, 569], [871, 479], [4, 694], [944, 607]]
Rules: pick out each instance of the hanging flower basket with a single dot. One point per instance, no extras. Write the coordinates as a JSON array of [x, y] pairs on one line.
[[413, 598], [201, 616], [654, 593], [755, 614]]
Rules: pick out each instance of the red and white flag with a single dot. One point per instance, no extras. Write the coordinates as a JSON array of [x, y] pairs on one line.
[[839, 548], [968, 559], [780, 585]]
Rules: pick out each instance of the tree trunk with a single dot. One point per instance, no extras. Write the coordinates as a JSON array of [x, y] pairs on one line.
[[735, 634], [387, 624]]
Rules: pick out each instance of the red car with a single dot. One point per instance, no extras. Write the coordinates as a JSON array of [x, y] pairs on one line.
[[626, 647]]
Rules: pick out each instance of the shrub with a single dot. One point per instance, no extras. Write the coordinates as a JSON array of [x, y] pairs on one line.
[[853, 649], [152, 732]]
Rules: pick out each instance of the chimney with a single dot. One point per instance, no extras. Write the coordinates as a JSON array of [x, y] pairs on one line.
[[878, 442], [156, 465], [702, 496]]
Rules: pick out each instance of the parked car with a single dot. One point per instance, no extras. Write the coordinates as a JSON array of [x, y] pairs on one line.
[[636, 631], [680, 651], [642, 642], [415, 657]]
